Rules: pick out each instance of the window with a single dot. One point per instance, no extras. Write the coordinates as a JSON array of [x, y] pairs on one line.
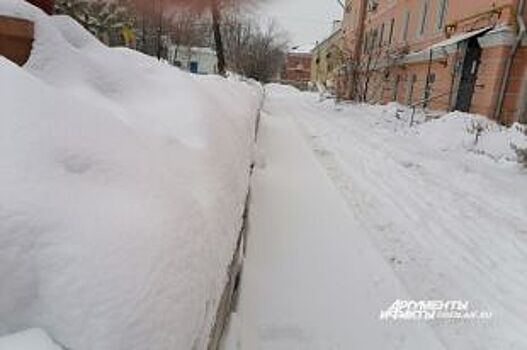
[[441, 14], [410, 89], [522, 110], [427, 92], [424, 15], [368, 42], [432, 78], [390, 35], [373, 5], [395, 88], [193, 67], [406, 24], [381, 37], [373, 39]]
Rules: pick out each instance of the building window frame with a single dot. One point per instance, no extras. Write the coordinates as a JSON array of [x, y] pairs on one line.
[[522, 108], [395, 87], [406, 25], [374, 36], [410, 88], [390, 34], [381, 35], [421, 29], [442, 12]]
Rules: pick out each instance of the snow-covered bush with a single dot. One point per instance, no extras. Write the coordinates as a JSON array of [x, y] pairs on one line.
[[521, 153], [476, 128], [452, 132]]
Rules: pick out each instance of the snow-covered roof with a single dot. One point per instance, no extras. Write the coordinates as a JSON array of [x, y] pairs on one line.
[[302, 49]]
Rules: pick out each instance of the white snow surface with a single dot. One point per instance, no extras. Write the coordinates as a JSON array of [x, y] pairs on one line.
[[30, 339], [353, 209], [122, 186]]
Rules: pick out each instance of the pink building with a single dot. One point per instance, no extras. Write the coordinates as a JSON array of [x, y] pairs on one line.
[[443, 54], [297, 68]]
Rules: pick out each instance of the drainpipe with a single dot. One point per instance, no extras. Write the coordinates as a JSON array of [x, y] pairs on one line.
[[510, 60], [428, 73]]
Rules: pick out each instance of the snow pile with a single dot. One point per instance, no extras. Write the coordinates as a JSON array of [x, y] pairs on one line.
[[452, 132], [31, 339], [122, 185], [282, 89], [456, 131]]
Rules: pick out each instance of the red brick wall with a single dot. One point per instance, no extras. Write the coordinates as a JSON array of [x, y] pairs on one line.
[[16, 39], [45, 5], [297, 67], [515, 96]]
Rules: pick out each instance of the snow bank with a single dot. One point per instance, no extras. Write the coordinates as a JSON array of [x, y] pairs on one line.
[[449, 132], [122, 184], [462, 131], [282, 90], [31, 339]]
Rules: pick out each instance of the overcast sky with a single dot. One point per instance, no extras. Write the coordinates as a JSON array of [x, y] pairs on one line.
[[306, 21]]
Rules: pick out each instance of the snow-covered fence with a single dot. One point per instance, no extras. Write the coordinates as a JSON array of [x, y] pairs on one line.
[[122, 191], [229, 296]]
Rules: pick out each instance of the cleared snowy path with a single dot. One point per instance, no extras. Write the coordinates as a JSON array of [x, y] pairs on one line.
[[311, 278], [448, 223], [451, 223], [350, 212]]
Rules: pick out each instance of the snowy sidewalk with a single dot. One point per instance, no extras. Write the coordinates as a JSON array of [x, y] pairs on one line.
[[311, 279]]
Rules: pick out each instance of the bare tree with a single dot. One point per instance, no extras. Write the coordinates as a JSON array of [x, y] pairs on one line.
[[214, 7], [189, 29], [253, 49]]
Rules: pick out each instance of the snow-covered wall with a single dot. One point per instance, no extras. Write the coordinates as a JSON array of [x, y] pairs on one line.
[[122, 185]]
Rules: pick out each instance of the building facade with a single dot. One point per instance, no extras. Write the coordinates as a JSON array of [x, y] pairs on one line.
[[197, 60], [442, 54], [327, 61], [297, 69]]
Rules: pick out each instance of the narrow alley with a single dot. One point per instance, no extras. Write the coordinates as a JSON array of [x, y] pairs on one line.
[[342, 226]]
